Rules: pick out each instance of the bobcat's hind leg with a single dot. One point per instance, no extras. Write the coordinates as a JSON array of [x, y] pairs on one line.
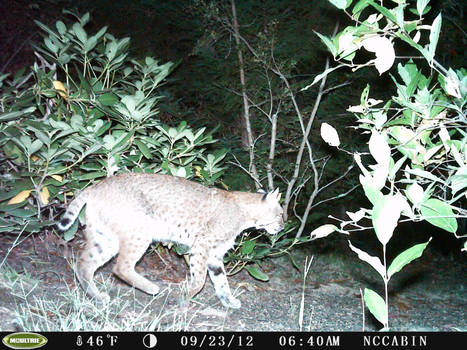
[[130, 253], [100, 247]]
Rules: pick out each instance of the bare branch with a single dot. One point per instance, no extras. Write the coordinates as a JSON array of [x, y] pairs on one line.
[[337, 178], [246, 108], [239, 165], [272, 151], [305, 142], [328, 90], [341, 195]]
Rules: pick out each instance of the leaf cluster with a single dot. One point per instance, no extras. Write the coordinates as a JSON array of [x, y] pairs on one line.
[[418, 137], [85, 111]]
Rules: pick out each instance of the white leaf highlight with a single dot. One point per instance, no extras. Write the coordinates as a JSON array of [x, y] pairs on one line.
[[384, 50], [329, 135]]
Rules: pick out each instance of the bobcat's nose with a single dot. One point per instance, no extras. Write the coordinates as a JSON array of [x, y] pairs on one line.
[[275, 229]]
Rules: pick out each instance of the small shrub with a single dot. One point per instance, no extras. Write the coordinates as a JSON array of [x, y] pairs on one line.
[[418, 142], [84, 111]]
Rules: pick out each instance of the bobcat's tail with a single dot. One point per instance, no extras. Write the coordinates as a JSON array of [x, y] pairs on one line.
[[71, 213]]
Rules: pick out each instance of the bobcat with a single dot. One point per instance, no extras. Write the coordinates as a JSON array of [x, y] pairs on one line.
[[125, 213]]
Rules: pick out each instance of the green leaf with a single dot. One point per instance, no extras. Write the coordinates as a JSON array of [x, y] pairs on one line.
[[434, 36], [373, 194], [64, 59], [122, 142], [439, 214], [100, 32], [103, 128], [50, 45], [93, 149], [46, 29], [22, 212], [85, 19], [406, 257], [459, 180], [179, 171], [61, 27], [359, 7], [319, 77], [90, 44], [385, 216], [257, 274], [144, 149], [379, 149], [374, 261], [292, 260], [82, 216], [10, 116], [421, 4], [35, 146], [108, 99], [25, 141], [323, 231], [56, 124], [91, 175], [328, 42], [43, 137], [412, 43], [383, 11], [400, 16], [341, 4], [376, 305], [408, 73], [425, 174], [395, 168], [248, 246], [80, 33], [181, 249], [13, 151], [34, 226], [346, 41], [364, 95]]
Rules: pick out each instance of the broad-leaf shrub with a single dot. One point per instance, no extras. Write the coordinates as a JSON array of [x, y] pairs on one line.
[[85, 111], [418, 143]]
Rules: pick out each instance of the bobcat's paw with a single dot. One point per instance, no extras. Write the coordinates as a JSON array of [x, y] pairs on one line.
[[231, 302], [102, 299], [151, 289]]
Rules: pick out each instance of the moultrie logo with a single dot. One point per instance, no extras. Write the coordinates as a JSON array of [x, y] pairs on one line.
[[24, 340]]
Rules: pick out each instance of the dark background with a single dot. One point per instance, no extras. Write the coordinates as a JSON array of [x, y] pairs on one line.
[[198, 92]]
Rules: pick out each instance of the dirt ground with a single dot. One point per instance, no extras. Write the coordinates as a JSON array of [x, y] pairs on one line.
[[427, 295]]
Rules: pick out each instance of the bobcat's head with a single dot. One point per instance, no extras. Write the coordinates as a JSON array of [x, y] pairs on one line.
[[270, 213]]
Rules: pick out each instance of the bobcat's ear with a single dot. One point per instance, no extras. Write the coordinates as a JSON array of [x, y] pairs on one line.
[[264, 193], [275, 195]]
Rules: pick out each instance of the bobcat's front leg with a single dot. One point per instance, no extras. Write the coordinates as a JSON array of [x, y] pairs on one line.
[[221, 285]]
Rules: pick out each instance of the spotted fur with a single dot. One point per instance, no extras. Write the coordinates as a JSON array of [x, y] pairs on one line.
[[125, 213]]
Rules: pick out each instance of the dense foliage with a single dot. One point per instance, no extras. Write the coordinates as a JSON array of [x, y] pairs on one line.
[[84, 111], [418, 137]]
